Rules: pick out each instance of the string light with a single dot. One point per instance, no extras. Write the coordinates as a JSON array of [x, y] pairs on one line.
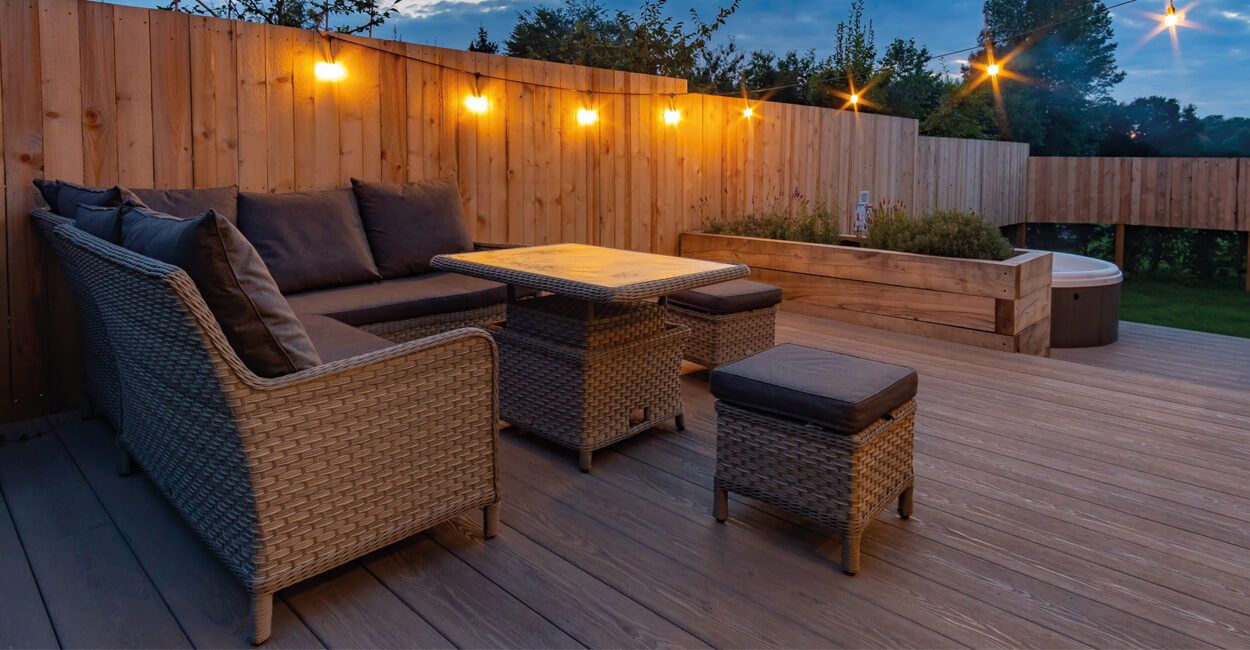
[[672, 116], [587, 116], [992, 69], [1171, 18], [329, 71], [476, 104], [854, 99], [747, 112]]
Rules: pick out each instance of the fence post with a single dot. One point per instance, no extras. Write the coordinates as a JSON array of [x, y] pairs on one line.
[[1119, 245]]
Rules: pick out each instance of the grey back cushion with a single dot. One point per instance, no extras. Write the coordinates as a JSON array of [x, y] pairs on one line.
[[64, 197], [237, 287], [101, 221], [188, 203], [309, 240], [409, 224]]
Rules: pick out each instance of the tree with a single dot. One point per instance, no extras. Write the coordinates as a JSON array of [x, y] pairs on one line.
[[1065, 54], [852, 66], [909, 88], [1152, 126], [483, 43], [344, 16], [583, 32], [962, 114]]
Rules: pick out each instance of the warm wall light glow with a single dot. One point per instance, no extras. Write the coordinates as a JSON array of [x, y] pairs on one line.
[[747, 112], [672, 116], [992, 69], [854, 98], [587, 116], [329, 71], [476, 104]]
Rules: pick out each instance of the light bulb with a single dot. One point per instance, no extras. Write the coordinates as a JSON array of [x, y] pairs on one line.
[[747, 112], [587, 116], [854, 98], [672, 116], [992, 69], [329, 71], [476, 104]]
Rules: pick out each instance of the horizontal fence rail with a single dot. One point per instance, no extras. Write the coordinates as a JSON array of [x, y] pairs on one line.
[[101, 94]]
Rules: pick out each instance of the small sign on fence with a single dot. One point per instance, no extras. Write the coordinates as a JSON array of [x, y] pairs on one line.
[[863, 210]]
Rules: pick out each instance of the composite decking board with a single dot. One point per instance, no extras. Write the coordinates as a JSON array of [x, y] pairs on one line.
[[465, 606], [209, 603], [23, 620], [581, 604], [1102, 582], [884, 609], [86, 572], [1208, 359]]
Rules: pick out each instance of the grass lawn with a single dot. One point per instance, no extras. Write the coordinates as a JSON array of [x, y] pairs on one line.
[[1221, 308]]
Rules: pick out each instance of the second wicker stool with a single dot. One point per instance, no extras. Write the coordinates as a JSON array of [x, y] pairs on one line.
[[727, 321], [820, 434]]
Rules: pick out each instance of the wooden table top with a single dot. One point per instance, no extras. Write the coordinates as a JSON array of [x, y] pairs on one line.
[[590, 272]]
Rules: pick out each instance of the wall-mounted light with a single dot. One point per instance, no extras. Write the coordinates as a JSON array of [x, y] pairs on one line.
[[476, 104], [587, 116], [329, 71], [672, 116]]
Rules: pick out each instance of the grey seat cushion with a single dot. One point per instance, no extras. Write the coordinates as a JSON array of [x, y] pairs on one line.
[[409, 224], [836, 391], [399, 299], [234, 282], [336, 340], [187, 203], [309, 240], [728, 297]]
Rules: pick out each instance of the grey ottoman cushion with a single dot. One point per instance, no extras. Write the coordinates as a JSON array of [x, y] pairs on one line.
[[730, 297], [836, 391]]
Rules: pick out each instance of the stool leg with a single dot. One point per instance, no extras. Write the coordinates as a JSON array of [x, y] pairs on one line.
[[850, 553], [583, 460], [905, 502], [720, 504], [680, 421], [262, 617], [490, 520]]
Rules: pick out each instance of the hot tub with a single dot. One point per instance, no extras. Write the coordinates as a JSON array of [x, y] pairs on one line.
[[1084, 301]]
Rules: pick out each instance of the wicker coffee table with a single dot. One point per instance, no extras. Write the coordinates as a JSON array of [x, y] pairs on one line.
[[591, 360]]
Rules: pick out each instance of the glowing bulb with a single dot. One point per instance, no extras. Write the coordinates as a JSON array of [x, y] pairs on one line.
[[672, 116], [476, 104], [854, 98], [1172, 19], [747, 112], [992, 69], [587, 116], [329, 71]]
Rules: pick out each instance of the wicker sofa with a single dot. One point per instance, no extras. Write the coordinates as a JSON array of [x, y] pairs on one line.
[[283, 477]]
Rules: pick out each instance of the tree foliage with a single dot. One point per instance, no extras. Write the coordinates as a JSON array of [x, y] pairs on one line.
[[483, 43], [344, 16]]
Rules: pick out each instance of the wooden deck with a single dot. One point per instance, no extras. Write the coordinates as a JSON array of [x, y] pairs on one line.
[[1196, 357], [1058, 505]]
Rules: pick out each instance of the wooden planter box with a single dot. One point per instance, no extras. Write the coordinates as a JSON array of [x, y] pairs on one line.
[[999, 305]]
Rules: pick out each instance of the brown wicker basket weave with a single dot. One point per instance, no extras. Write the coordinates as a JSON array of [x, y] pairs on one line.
[[284, 478], [584, 324], [588, 399], [718, 339], [837, 480]]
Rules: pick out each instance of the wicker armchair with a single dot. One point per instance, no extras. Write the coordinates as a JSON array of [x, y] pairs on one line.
[[288, 477]]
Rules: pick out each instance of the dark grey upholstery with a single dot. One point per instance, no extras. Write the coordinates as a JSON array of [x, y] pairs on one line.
[[336, 340], [409, 224], [187, 203], [402, 298], [104, 222], [839, 392], [309, 240], [236, 286], [730, 297], [65, 197]]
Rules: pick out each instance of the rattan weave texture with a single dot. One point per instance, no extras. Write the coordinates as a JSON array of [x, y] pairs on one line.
[[287, 477], [402, 331], [718, 339], [837, 480]]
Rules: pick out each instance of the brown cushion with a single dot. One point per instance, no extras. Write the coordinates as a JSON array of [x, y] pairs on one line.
[[836, 391], [187, 203], [399, 299], [409, 224], [64, 197], [730, 297], [309, 240], [237, 287], [336, 340], [101, 221]]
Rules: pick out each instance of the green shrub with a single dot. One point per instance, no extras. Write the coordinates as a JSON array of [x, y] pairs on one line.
[[945, 233], [818, 226]]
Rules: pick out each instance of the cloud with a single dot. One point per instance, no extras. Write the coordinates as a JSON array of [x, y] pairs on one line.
[[1237, 16], [430, 8]]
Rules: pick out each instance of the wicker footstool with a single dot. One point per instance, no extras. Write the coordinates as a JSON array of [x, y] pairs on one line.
[[727, 321], [822, 435]]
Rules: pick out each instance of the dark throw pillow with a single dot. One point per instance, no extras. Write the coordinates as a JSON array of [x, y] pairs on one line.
[[237, 287], [409, 224], [309, 240], [187, 203], [64, 197], [101, 221]]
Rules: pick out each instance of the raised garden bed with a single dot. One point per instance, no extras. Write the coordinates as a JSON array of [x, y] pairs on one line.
[[999, 305]]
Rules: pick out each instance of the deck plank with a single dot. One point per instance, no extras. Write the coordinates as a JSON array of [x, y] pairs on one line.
[[87, 573], [23, 620]]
